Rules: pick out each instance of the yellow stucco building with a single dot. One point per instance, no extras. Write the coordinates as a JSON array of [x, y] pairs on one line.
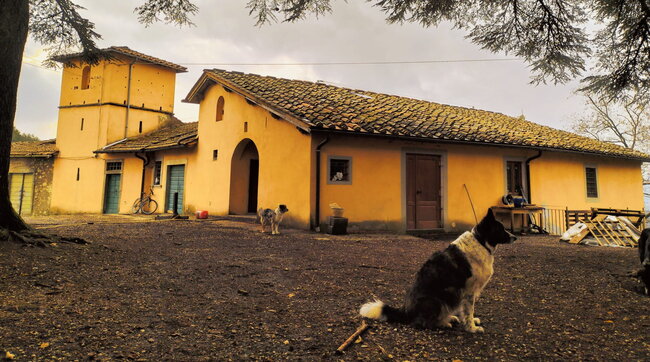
[[391, 162], [119, 98]]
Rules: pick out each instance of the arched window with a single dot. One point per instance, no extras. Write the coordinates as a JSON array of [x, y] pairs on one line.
[[219, 109], [85, 77]]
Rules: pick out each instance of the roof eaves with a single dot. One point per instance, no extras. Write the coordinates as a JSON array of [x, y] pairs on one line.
[[148, 58], [302, 124], [479, 143], [195, 93], [35, 155], [148, 148], [65, 58]]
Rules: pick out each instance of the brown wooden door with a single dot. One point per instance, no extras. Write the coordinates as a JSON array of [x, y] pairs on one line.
[[423, 206]]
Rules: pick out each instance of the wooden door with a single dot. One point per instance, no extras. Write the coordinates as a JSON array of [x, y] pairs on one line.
[[175, 184], [21, 191], [253, 179], [423, 192], [112, 193]]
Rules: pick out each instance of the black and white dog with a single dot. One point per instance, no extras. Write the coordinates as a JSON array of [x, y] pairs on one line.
[[272, 218], [644, 254], [450, 282]]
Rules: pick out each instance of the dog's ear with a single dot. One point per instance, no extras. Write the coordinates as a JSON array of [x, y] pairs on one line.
[[487, 219]]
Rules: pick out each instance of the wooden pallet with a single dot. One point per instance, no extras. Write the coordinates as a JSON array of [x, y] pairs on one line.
[[610, 232], [637, 217], [576, 216]]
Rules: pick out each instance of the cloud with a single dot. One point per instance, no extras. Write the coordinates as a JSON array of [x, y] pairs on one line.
[[355, 32]]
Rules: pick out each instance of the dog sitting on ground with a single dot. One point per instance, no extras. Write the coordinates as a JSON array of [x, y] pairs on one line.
[[644, 254], [450, 282], [272, 218]]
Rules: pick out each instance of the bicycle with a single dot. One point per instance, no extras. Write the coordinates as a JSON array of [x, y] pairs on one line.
[[145, 204]]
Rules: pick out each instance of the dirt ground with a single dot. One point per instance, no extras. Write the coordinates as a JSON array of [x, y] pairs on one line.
[[220, 290]]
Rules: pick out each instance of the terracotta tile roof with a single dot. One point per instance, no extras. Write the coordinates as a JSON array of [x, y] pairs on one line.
[[43, 149], [173, 136], [129, 53], [326, 107]]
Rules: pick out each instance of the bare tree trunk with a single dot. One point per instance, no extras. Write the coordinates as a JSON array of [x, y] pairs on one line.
[[14, 19]]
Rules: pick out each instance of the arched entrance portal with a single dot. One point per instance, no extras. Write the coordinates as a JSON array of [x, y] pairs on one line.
[[244, 177]]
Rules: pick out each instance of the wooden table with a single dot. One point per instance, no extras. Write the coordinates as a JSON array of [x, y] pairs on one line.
[[524, 211]]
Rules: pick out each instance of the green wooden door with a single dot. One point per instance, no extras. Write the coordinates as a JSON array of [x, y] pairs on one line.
[[112, 194], [21, 190], [175, 184]]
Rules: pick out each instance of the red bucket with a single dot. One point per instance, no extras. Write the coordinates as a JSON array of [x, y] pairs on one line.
[[201, 214]]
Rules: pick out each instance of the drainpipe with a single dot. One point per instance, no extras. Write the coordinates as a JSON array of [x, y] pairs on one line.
[[538, 155], [128, 98], [145, 162], [318, 148]]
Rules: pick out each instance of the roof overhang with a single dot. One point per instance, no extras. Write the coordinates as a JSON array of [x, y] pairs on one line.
[[460, 142], [31, 155], [189, 144], [209, 79], [109, 53]]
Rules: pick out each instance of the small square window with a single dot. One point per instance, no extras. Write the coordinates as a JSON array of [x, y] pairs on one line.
[[157, 167], [114, 166], [339, 170]]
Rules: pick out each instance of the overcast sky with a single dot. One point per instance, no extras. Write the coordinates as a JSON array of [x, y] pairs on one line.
[[225, 35]]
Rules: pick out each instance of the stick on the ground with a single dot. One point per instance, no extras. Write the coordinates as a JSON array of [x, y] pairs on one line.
[[362, 328]]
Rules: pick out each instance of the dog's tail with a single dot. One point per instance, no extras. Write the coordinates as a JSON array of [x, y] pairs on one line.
[[383, 312]]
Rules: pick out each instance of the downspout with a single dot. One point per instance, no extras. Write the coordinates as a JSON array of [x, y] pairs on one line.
[[538, 155], [317, 214], [128, 98], [145, 162]]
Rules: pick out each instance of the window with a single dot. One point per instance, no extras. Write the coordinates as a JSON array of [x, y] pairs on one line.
[[140, 127], [114, 167], [245, 126], [215, 154], [592, 182], [339, 170], [78, 171], [157, 167], [219, 116], [514, 178], [85, 77], [82, 124]]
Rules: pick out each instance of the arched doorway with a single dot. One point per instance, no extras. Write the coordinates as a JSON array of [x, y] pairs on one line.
[[244, 178]]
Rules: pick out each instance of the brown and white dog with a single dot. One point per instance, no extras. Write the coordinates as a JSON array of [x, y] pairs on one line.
[[272, 218], [450, 282]]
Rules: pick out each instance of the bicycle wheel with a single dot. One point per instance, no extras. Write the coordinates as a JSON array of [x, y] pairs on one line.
[[137, 205], [149, 207]]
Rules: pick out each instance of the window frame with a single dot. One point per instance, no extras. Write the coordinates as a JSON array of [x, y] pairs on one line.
[[114, 171], [596, 184], [157, 164], [330, 158], [506, 177], [221, 102], [85, 77]]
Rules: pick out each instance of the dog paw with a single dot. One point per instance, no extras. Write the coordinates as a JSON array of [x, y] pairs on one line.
[[475, 329]]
